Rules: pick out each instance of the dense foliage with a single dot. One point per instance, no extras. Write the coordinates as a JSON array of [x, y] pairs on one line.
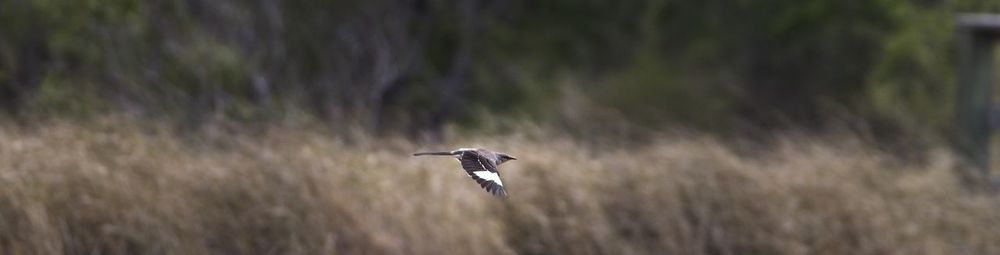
[[417, 64], [116, 188]]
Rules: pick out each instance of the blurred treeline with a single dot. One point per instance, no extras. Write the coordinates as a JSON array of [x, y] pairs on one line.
[[415, 65]]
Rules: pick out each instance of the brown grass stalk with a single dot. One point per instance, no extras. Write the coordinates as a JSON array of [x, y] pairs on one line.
[[120, 189]]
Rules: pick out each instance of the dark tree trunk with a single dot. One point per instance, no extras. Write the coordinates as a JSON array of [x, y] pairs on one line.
[[455, 80]]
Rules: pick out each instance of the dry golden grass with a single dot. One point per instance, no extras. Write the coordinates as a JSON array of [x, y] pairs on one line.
[[107, 189]]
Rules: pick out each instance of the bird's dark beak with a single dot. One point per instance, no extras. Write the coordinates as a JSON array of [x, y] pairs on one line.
[[513, 158]]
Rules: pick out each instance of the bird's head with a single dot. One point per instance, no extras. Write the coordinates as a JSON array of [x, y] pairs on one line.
[[504, 158]]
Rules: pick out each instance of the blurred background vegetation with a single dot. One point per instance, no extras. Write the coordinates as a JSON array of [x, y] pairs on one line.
[[413, 66], [285, 127]]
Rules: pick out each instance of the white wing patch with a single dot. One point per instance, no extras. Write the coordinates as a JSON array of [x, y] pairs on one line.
[[489, 176]]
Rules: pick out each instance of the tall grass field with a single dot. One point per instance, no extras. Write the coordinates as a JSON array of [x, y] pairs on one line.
[[123, 189]]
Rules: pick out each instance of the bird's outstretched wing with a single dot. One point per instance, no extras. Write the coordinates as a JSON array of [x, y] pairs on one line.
[[483, 171]]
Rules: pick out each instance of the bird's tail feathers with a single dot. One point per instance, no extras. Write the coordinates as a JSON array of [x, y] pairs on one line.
[[442, 153]]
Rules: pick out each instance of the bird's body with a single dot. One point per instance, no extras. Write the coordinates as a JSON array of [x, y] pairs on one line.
[[481, 165]]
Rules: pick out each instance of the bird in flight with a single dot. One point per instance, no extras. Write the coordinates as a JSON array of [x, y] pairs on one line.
[[481, 165]]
